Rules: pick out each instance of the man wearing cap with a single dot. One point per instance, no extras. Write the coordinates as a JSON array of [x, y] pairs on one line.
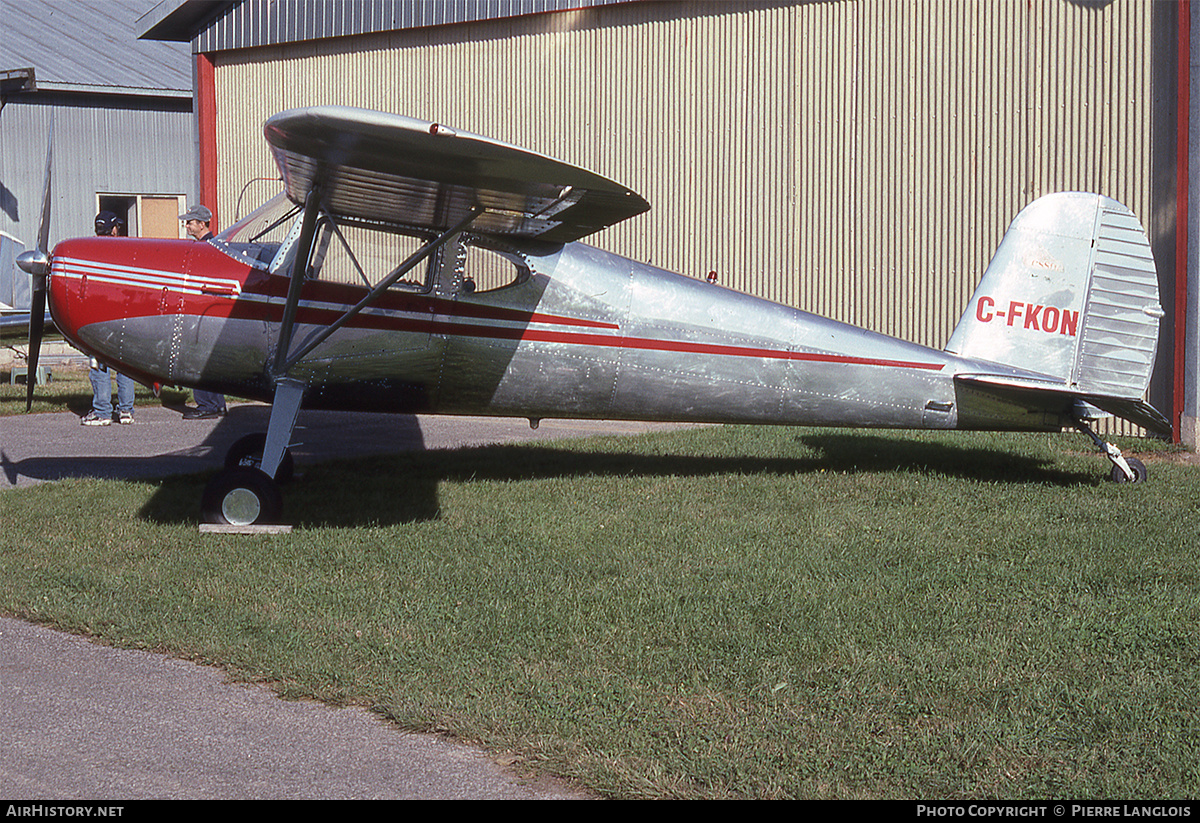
[[108, 224], [196, 222]]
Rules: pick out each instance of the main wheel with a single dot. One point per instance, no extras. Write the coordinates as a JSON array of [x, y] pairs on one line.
[[241, 496], [248, 452], [1139, 472]]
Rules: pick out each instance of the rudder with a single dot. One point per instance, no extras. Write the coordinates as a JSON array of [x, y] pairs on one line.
[[1071, 293]]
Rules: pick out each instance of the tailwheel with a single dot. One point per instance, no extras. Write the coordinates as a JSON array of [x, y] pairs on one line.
[[1124, 469], [248, 452], [1117, 475], [241, 496]]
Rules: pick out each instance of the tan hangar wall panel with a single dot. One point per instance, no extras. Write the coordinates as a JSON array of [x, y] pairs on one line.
[[856, 159]]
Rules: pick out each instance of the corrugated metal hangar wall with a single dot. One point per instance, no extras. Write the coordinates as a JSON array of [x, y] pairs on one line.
[[121, 111], [102, 143], [856, 159]]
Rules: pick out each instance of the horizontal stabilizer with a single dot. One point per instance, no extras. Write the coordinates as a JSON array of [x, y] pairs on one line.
[[386, 167], [1137, 412], [1044, 397]]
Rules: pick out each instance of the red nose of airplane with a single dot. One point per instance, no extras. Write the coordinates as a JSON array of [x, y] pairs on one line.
[[96, 282], [103, 290]]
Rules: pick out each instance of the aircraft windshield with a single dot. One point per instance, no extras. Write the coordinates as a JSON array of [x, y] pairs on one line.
[[268, 223], [346, 252], [256, 238]]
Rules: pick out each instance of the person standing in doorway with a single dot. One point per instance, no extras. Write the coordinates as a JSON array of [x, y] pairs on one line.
[[197, 222], [108, 224]]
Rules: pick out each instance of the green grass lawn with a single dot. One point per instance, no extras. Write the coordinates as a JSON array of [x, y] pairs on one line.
[[714, 613]]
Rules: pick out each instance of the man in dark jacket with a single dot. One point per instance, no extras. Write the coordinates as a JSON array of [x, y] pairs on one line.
[[197, 222]]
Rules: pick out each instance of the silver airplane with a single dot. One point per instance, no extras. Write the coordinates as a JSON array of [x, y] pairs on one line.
[[408, 267]]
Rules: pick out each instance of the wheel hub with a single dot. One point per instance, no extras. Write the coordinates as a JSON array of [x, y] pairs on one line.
[[241, 507]]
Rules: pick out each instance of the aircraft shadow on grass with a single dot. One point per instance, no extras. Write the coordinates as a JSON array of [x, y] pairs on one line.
[[403, 488], [345, 481], [861, 452]]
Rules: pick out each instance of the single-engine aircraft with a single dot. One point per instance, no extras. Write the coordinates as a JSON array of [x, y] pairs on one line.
[[410, 267]]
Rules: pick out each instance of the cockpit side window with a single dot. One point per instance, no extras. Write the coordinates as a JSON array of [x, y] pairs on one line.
[[364, 255], [344, 251], [486, 268]]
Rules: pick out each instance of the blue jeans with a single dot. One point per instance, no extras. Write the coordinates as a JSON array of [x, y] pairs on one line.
[[102, 391], [209, 401]]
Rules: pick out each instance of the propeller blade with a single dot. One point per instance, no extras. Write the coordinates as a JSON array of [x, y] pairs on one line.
[[44, 226], [37, 303], [37, 320]]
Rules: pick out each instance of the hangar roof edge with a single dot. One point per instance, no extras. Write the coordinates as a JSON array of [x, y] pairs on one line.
[[223, 25], [179, 20]]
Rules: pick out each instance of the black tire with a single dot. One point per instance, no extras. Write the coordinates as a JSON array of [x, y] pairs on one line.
[[241, 496], [247, 452], [1139, 472]]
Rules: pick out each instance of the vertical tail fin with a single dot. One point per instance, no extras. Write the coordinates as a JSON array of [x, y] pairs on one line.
[[1072, 294]]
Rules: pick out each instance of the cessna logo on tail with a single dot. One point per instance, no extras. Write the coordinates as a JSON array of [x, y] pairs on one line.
[[1031, 316]]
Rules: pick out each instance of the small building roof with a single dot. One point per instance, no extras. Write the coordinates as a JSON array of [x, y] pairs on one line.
[[90, 47]]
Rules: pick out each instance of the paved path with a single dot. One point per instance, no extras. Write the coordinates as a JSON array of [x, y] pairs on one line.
[[40, 447], [83, 721], [87, 722]]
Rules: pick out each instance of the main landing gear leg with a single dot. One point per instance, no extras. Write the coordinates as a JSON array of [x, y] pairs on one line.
[[1125, 469], [284, 410], [248, 495]]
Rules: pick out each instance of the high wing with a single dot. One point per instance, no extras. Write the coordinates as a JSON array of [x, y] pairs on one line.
[[394, 169]]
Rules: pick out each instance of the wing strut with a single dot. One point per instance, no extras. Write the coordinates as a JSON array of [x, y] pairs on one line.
[[283, 366], [289, 392], [308, 230]]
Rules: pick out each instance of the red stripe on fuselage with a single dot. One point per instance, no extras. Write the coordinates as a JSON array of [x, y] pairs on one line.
[[263, 296], [322, 317], [347, 296], [264, 300]]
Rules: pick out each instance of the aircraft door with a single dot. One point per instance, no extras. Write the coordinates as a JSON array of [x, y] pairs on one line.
[[394, 340]]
